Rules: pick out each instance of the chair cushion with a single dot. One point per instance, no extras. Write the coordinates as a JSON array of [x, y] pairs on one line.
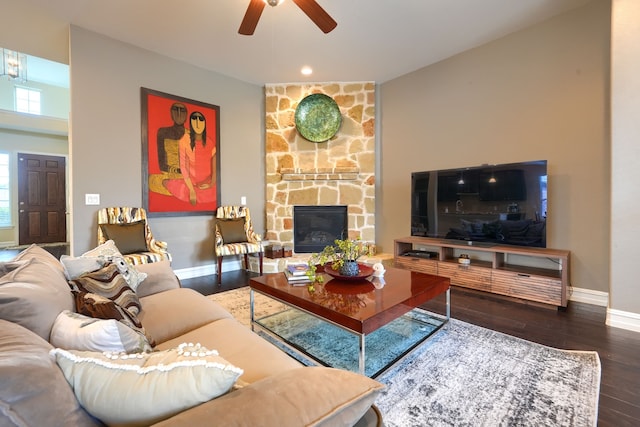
[[129, 238], [141, 389], [232, 230]]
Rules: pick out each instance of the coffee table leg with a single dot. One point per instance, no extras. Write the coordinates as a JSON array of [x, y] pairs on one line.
[[449, 304], [251, 302], [361, 356]]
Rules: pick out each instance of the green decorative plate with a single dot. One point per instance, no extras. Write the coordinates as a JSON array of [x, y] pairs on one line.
[[318, 117]]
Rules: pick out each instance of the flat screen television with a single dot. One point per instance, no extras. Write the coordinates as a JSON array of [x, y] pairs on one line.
[[490, 204]]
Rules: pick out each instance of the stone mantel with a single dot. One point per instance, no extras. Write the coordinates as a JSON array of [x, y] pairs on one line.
[[319, 174]]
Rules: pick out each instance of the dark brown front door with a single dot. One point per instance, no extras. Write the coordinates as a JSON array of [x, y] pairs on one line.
[[41, 199]]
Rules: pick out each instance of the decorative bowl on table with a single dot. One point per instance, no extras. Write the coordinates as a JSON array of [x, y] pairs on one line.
[[363, 274]]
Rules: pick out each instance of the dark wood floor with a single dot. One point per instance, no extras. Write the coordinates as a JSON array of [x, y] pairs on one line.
[[580, 327]]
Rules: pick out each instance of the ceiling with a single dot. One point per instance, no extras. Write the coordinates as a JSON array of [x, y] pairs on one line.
[[375, 40]]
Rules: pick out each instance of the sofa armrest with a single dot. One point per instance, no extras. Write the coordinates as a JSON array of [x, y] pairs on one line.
[[315, 396]]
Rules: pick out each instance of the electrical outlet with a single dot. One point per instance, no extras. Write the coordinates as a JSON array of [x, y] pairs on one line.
[[243, 200], [91, 199]]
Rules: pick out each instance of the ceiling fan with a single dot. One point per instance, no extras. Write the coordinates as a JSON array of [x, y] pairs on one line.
[[313, 10]]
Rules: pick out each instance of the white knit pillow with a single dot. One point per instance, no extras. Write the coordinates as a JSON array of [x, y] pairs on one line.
[[144, 388], [75, 331]]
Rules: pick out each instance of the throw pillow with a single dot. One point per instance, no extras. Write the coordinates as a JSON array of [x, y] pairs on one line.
[[311, 396], [129, 238], [144, 388], [75, 267], [232, 230], [99, 307], [33, 295], [33, 390], [109, 283], [105, 249], [75, 331]]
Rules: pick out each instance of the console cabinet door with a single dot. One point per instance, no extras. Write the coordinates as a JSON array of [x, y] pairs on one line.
[[468, 276], [417, 264], [531, 287]]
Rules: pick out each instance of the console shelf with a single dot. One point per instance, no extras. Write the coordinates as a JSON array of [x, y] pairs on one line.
[[532, 274]]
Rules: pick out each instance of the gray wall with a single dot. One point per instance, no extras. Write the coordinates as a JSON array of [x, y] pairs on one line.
[[105, 139], [541, 93]]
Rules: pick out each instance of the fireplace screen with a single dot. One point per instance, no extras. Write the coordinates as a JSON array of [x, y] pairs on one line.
[[315, 227]]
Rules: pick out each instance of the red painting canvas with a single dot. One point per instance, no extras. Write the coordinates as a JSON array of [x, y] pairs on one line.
[[180, 155]]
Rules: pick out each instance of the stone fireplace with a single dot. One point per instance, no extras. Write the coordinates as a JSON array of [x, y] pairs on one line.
[[315, 227], [338, 172]]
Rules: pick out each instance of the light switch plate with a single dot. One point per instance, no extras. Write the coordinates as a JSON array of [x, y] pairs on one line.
[[91, 199], [243, 200]]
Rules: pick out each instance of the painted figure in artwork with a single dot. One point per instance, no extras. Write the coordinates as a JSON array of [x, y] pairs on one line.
[[167, 142], [169, 137], [197, 153]]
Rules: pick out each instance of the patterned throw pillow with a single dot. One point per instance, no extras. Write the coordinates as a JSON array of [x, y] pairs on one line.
[[75, 331], [99, 307], [109, 283], [142, 389], [110, 252]]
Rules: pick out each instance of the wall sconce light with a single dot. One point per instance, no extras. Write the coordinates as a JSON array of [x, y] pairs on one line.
[[492, 180], [461, 180], [13, 64]]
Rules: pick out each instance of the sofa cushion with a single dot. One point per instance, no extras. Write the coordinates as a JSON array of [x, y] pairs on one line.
[[314, 396], [232, 230], [239, 345], [129, 238], [109, 283], [160, 278], [172, 313], [75, 331], [35, 251], [34, 294], [33, 391], [140, 389]]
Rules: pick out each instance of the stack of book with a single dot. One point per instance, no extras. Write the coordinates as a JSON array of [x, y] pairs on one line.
[[297, 274]]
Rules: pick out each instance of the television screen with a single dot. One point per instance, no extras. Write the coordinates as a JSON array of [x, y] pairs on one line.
[[494, 204]]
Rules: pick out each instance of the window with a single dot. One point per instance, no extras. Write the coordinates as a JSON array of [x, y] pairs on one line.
[[5, 206], [27, 100]]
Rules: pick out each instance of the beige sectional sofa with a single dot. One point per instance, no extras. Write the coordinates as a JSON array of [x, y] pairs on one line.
[[205, 368]]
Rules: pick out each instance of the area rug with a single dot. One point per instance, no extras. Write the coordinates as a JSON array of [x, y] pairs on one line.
[[471, 376]]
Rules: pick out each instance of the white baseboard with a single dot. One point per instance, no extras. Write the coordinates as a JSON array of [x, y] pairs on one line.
[[589, 296], [207, 270], [623, 319]]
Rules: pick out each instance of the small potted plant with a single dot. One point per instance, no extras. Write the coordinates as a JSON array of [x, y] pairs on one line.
[[343, 256]]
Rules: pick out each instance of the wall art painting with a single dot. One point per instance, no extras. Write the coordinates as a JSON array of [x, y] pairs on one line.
[[180, 155]]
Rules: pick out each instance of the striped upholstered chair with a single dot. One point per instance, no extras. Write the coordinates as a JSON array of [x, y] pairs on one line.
[[129, 229], [235, 236]]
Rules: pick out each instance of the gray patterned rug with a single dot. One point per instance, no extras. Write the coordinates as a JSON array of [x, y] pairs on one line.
[[471, 376]]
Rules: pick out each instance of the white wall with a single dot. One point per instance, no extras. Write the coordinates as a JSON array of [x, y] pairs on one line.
[[625, 159]]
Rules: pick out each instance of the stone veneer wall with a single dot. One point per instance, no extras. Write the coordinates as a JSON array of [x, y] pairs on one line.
[[340, 171]]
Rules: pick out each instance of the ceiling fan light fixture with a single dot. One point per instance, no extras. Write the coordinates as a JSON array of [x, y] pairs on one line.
[[273, 2]]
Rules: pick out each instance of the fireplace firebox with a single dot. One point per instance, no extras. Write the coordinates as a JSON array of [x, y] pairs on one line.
[[315, 227]]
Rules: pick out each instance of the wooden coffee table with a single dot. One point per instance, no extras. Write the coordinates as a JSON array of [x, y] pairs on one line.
[[360, 307]]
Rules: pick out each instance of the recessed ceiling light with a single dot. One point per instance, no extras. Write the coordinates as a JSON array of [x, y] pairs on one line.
[[306, 70]]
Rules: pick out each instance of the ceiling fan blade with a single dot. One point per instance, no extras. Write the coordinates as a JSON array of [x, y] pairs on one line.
[[251, 17], [317, 14]]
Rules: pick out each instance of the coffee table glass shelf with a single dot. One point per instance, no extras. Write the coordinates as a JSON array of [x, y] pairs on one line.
[[364, 327]]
